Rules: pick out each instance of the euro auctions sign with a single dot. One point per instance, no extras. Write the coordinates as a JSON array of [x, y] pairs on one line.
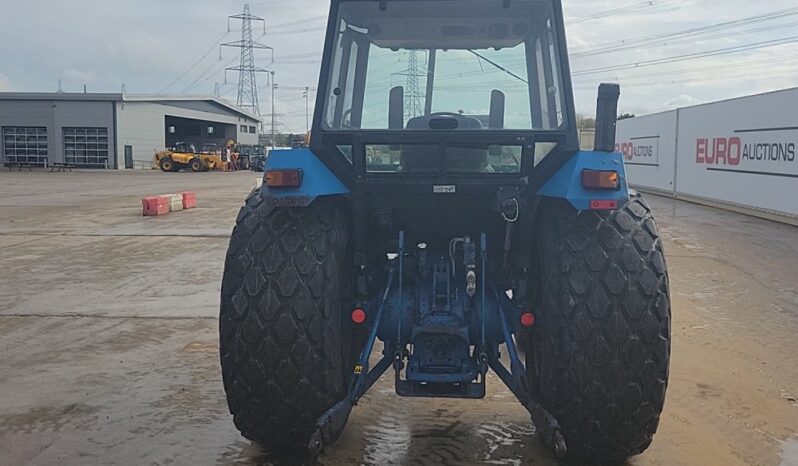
[[640, 151], [767, 151], [739, 151]]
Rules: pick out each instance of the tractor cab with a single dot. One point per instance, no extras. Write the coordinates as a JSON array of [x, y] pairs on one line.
[[210, 148], [185, 148], [430, 90]]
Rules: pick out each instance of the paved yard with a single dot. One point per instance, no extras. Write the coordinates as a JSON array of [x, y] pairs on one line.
[[108, 338]]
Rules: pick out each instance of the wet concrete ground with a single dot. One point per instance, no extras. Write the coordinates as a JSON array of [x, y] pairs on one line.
[[108, 340]]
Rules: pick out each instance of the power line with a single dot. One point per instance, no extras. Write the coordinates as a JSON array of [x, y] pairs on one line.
[[616, 11], [689, 56], [690, 33], [715, 78], [297, 88], [214, 68], [297, 31], [695, 55], [299, 22], [668, 60], [194, 65], [679, 36], [746, 65], [500, 67]]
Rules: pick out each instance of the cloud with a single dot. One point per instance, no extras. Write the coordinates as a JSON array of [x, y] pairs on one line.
[[683, 100]]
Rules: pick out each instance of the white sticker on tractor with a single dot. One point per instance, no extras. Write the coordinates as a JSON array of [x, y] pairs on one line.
[[444, 189]]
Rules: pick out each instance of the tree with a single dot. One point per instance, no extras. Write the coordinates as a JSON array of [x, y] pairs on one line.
[[625, 116], [583, 122]]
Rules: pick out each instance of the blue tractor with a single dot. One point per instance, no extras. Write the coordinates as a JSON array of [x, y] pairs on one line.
[[444, 208]]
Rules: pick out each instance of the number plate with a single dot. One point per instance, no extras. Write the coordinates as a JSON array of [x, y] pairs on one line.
[[444, 189]]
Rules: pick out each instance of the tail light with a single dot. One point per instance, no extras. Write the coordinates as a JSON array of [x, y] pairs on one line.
[[596, 179], [358, 316], [527, 319], [283, 178]]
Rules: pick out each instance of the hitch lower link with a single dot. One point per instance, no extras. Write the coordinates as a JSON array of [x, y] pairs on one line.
[[546, 424], [332, 422]]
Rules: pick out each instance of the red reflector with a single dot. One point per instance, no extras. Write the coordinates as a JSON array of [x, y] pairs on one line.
[[604, 205], [358, 316], [595, 179], [527, 319], [283, 178]]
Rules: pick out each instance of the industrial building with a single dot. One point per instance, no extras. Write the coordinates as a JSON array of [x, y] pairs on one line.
[[113, 131]]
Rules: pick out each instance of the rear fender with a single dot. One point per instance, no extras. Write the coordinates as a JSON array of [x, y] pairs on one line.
[[317, 179], [567, 181]]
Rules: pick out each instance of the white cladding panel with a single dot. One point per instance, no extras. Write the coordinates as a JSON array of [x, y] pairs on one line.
[[740, 151], [648, 145], [140, 125]]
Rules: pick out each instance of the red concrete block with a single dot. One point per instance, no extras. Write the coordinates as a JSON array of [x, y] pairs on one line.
[[189, 200], [154, 206]]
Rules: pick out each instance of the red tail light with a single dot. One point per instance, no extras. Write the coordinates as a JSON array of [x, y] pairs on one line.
[[358, 316], [527, 319]]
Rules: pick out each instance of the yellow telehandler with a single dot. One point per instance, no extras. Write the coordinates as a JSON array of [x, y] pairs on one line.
[[186, 156]]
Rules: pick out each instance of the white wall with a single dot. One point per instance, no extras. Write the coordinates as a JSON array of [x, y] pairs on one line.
[[143, 126], [740, 152], [648, 145], [725, 151]]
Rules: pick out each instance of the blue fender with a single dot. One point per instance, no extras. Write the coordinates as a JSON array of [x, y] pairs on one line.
[[567, 182], [317, 179]]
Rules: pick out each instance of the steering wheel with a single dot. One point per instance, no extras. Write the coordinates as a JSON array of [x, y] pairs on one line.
[[445, 114]]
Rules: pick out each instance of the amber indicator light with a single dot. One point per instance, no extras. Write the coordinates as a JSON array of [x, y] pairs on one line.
[[283, 178], [595, 179]]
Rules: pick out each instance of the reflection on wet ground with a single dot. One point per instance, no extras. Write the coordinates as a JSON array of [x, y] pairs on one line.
[[388, 429]]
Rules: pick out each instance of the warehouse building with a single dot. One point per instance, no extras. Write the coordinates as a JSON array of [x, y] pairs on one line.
[[113, 131]]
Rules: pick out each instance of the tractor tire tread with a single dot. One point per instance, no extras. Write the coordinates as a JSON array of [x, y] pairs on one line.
[[280, 332], [608, 337]]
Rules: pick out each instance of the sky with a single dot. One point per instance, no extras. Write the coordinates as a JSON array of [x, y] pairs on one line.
[[157, 46]]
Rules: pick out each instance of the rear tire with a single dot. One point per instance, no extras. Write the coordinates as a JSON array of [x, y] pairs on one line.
[[283, 339], [602, 347]]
